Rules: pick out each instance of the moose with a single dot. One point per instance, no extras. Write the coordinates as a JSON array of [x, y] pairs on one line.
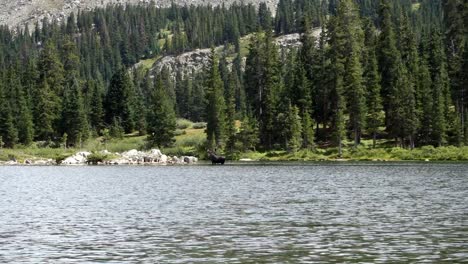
[[215, 159]]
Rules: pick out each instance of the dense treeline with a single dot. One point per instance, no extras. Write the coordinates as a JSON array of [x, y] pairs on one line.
[[67, 79], [376, 76], [390, 69]]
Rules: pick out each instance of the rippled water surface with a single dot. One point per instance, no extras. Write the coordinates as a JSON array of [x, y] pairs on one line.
[[313, 213]]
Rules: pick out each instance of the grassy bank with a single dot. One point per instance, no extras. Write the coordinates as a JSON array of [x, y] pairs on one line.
[[365, 154], [191, 137]]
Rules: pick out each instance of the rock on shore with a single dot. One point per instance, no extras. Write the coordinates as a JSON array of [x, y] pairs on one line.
[[133, 156]]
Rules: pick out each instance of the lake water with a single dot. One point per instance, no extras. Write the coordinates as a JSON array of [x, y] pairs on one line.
[[294, 213]]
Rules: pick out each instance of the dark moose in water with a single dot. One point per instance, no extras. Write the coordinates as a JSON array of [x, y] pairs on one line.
[[216, 159]]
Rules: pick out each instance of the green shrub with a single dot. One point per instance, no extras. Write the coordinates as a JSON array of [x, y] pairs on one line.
[[60, 158], [179, 132], [183, 123], [200, 125], [96, 157]]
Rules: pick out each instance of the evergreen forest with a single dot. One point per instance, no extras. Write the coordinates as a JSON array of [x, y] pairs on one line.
[[394, 73]]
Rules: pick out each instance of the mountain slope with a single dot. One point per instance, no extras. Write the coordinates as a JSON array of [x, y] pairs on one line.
[[21, 12], [198, 60]]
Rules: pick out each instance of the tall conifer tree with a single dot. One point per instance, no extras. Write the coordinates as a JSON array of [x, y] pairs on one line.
[[216, 107], [161, 118]]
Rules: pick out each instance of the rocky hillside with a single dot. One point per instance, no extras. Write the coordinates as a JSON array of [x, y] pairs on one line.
[[197, 60], [20, 12]]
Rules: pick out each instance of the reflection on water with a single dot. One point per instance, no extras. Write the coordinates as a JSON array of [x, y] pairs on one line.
[[237, 214]]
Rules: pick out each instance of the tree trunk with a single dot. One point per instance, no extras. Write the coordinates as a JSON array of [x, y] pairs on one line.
[[340, 151], [356, 138], [374, 139]]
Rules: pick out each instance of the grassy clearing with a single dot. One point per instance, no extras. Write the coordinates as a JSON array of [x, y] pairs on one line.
[[415, 7], [148, 63]]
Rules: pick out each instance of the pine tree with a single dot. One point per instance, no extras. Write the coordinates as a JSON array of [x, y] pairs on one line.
[[44, 116], [410, 58], [348, 40], [294, 136], [21, 112], [51, 72], [308, 134], [388, 64], [96, 113], [397, 83], [375, 114], [119, 100], [51, 69], [264, 17], [71, 63], [116, 130], [262, 85], [248, 134], [161, 118], [138, 104], [300, 89], [409, 118], [456, 38], [440, 89], [74, 119], [231, 129], [338, 104], [284, 17], [216, 107], [424, 102], [8, 131], [464, 93]]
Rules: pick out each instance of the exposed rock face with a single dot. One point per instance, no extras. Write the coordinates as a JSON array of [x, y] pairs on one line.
[[186, 63], [20, 12], [198, 60]]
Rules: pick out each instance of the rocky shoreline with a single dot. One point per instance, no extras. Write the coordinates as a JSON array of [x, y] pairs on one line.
[[104, 157]]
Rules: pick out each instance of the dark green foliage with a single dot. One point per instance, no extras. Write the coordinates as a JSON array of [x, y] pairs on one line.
[[44, 109], [74, 119], [338, 103], [285, 17], [441, 99], [388, 57], [215, 107], [424, 102], [248, 134], [308, 134], [96, 108], [119, 100], [21, 111], [66, 78], [231, 129], [264, 17], [116, 130], [161, 118], [374, 118], [8, 132], [262, 85], [349, 22], [294, 133]]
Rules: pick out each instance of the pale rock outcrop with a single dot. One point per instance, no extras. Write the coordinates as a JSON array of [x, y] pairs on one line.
[[190, 159], [78, 158], [196, 61], [163, 159]]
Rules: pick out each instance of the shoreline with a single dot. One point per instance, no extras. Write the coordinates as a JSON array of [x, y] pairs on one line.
[[155, 157], [246, 163]]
